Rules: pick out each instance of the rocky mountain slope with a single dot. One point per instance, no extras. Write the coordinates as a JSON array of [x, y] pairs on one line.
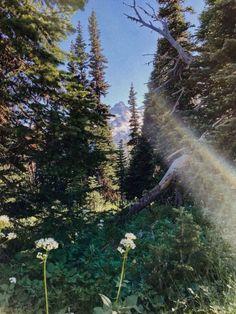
[[119, 122]]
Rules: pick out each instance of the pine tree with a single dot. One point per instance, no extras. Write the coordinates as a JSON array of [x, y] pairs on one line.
[[172, 96], [38, 163], [215, 79], [72, 4], [72, 66], [121, 167], [105, 173], [78, 64], [97, 62], [169, 91], [94, 201], [134, 121], [81, 56], [69, 160], [140, 172], [28, 74]]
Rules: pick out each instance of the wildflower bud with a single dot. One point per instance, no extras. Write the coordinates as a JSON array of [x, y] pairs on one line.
[[120, 250], [12, 280]]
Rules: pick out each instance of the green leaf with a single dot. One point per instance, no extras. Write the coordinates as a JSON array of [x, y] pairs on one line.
[[100, 310], [131, 300], [105, 300]]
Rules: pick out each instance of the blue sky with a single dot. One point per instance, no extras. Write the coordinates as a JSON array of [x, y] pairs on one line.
[[124, 45]]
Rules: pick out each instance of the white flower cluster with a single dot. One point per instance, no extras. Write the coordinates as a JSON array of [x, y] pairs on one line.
[[101, 224], [130, 236], [47, 244], [12, 280], [41, 256], [127, 243], [11, 235], [4, 222]]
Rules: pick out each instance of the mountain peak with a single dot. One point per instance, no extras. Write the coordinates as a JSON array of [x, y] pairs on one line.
[[119, 122], [119, 108]]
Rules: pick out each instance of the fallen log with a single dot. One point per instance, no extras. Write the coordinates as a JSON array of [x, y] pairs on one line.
[[177, 165]]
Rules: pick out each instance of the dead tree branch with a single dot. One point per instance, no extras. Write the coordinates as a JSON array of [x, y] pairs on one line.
[[181, 91], [164, 31]]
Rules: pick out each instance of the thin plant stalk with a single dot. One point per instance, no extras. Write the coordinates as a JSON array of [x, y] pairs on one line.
[[45, 283], [47, 244], [121, 276]]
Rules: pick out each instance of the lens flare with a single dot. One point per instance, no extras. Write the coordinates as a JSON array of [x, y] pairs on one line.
[[206, 176]]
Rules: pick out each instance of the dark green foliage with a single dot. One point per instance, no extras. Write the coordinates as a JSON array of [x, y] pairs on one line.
[[97, 62], [50, 120], [79, 62], [69, 159], [73, 4], [105, 173], [72, 66], [30, 83], [215, 80], [134, 127], [140, 173], [121, 167], [179, 263]]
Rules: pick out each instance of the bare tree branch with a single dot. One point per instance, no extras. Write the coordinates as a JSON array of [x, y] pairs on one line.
[[160, 88], [181, 91], [176, 167], [184, 55], [152, 9]]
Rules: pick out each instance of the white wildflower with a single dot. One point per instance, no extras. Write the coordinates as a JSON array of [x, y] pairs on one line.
[[100, 225], [122, 251], [47, 244], [2, 235], [127, 243], [4, 222], [41, 256], [11, 236], [12, 280], [130, 236]]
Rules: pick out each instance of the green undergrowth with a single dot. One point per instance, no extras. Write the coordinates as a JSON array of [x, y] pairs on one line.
[[180, 265]]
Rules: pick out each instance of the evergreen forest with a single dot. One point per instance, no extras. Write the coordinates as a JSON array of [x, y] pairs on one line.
[[93, 226]]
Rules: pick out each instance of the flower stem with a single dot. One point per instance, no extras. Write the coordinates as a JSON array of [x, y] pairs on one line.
[[45, 283], [121, 276]]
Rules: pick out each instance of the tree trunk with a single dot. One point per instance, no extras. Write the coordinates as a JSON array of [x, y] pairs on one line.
[[177, 165]]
